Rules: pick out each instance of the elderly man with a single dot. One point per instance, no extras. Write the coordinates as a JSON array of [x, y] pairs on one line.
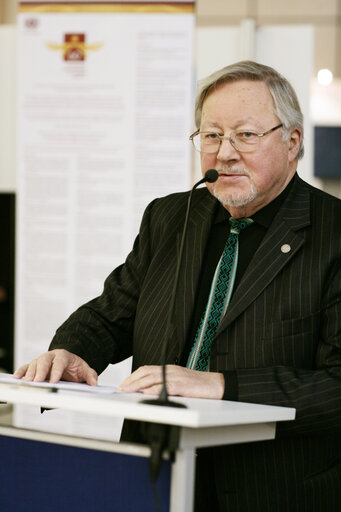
[[257, 315]]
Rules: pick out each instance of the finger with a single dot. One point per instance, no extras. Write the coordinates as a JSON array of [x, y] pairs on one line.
[[59, 365], [68, 366], [43, 366], [20, 372], [31, 371], [136, 375], [91, 377], [153, 390], [140, 373], [141, 382]]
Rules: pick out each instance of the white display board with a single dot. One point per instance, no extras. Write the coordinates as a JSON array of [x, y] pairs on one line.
[[7, 108], [104, 113]]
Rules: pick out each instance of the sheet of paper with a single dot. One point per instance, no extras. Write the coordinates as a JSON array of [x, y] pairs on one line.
[[61, 385]]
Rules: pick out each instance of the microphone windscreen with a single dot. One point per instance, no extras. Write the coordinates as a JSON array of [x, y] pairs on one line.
[[211, 175]]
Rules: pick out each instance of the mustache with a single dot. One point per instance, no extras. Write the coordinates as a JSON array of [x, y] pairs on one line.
[[226, 169]]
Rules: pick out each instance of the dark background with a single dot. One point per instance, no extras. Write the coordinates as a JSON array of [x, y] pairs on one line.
[[327, 152], [7, 251]]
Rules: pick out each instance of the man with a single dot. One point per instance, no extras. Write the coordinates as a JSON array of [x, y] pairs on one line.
[[279, 341]]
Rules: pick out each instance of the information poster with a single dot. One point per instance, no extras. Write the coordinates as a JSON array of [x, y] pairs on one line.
[[104, 114]]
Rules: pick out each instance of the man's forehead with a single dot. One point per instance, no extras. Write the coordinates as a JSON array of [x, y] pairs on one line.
[[236, 87], [245, 98]]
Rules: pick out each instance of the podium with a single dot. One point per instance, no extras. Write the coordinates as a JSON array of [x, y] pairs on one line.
[[203, 423]]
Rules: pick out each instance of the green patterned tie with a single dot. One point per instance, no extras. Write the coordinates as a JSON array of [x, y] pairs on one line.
[[219, 298]]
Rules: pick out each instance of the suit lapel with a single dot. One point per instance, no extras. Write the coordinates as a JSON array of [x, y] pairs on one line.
[[282, 241], [267, 262]]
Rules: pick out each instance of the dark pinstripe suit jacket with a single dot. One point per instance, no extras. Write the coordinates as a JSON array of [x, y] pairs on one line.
[[282, 333]]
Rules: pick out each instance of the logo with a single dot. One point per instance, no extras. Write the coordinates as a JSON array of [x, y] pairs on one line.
[[31, 22], [74, 47]]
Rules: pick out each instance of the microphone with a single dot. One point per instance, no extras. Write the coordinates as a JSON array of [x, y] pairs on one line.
[[210, 176]]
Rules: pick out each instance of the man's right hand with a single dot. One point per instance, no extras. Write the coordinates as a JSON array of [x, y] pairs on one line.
[[58, 364]]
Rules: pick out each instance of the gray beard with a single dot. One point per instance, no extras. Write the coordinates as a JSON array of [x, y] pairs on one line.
[[237, 200]]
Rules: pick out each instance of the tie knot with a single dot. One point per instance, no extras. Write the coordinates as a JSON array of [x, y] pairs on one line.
[[237, 225]]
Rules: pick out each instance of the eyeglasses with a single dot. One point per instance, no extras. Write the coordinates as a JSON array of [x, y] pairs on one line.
[[242, 140]]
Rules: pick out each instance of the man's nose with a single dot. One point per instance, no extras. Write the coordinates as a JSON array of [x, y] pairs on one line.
[[227, 151]]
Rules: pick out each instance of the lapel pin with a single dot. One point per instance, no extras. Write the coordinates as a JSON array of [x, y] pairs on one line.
[[285, 248]]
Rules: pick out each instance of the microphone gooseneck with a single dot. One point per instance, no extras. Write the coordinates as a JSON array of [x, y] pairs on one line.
[[211, 175], [158, 436]]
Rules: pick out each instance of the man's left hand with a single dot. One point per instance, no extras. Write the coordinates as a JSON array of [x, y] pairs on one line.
[[180, 382]]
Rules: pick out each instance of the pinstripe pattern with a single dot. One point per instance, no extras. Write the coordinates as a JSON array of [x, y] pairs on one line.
[[282, 333]]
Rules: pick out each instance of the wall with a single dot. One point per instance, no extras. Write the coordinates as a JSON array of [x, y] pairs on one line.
[[324, 15]]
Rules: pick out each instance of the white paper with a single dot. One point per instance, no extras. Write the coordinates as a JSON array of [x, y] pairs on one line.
[[62, 385]]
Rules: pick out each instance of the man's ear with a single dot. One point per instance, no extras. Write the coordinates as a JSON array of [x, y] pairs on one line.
[[294, 144]]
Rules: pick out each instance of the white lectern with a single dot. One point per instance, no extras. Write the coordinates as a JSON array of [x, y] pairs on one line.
[[203, 423]]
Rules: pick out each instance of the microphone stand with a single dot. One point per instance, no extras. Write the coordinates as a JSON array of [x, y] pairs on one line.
[[211, 176], [158, 436]]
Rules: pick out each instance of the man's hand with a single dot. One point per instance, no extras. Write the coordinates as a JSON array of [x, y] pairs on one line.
[[180, 382], [57, 365]]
